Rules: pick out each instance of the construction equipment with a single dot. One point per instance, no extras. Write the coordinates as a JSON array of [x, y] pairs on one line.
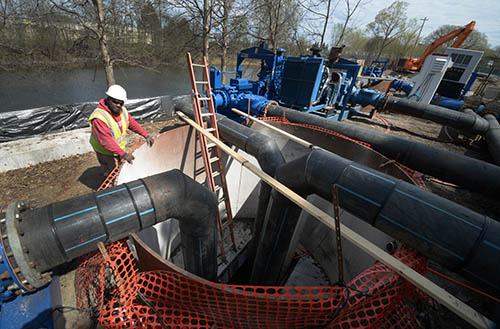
[[307, 83], [376, 68], [452, 86], [212, 156], [414, 64]]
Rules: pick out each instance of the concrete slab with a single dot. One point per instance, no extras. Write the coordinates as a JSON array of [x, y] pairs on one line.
[[30, 151]]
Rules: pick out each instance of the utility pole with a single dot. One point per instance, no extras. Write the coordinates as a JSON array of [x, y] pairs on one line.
[[418, 36]]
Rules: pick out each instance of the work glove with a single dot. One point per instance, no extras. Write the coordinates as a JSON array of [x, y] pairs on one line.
[[150, 141], [129, 157]]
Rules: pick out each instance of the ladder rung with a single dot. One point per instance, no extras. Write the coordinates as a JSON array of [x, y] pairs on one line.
[[206, 114], [198, 65], [212, 160], [202, 82], [217, 188], [209, 129], [204, 98], [215, 174], [209, 145], [199, 171], [223, 199]]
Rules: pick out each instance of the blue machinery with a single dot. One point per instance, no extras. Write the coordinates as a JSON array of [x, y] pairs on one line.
[[18, 278], [307, 83]]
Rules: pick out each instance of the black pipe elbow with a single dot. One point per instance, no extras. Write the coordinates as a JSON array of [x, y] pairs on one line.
[[444, 231], [175, 195], [493, 137], [62, 231], [456, 237]]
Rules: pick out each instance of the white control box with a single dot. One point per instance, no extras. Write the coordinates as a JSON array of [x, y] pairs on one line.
[[464, 63], [427, 81]]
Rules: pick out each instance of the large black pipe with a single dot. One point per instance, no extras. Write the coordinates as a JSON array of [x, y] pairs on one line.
[[444, 231], [456, 119], [264, 149], [62, 231], [493, 137], [464, 171]]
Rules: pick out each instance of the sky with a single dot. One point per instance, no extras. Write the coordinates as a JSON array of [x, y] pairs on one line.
[[486, 13]]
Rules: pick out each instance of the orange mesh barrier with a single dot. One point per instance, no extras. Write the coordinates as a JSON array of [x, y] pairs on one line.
[[410, 172], [110, 180], [123, 297], [285, 120]]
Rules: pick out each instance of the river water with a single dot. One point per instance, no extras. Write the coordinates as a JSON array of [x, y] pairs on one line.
[[25, 90]]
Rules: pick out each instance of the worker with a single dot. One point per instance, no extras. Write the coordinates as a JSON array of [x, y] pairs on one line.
[[109, 123]]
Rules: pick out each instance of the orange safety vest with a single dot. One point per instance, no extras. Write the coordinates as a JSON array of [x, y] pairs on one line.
[[117, 134]]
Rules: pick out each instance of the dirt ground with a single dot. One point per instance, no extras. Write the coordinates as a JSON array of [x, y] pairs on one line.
[[58, 180]]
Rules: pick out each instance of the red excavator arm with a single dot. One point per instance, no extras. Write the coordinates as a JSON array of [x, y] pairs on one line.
[[414, 64]]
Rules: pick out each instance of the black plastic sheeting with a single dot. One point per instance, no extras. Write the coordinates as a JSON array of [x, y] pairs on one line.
[[51, 119]]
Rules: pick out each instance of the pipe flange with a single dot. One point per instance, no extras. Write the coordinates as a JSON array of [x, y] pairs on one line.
[[384, 103], [25, 273]]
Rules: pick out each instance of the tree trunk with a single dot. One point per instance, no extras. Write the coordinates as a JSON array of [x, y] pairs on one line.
[[342, 33], [381, 48], [206, 26], [326, 23], [274, 24], [225, 22], [103, 44]]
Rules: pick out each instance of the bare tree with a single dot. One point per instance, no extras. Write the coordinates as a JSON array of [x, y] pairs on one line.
[[275, 21], [314, 10], [389, 24], [229, 26], [78, 10], [222, 12], [199, 14], [351, 8]]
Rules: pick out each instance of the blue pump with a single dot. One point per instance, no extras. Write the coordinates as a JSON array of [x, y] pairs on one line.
[[308, 83]]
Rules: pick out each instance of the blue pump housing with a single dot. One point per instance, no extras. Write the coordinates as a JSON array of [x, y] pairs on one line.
[[300, 81], [307, 83]]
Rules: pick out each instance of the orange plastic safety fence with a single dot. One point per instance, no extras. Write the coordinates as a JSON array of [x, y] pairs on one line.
[[285, 120], [410, 172], [126, 298], [110, 180]]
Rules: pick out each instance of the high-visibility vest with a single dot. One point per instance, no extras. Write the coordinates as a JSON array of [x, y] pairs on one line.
[[117, 134]]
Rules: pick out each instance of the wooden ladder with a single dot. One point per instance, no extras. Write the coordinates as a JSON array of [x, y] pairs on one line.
[[212, 155]]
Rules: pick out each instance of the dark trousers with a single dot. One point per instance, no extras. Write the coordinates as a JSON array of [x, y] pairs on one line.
[[107, 162]]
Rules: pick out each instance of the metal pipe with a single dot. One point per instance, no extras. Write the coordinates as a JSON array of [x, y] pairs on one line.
[[454, 236], [62, 231], [481, 176], [264, 149], [436, 292], [460, 120], [493, 137]]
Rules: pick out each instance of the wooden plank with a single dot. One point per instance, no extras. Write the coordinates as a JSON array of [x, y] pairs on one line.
[[284, 133], [442, 296]]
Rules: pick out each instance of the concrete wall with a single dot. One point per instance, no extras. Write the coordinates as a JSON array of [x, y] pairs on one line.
[[30, 151]]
